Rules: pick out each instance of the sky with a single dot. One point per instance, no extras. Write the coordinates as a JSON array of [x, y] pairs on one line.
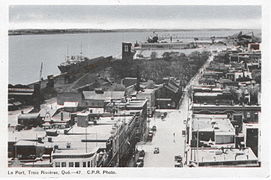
[[134, 16]]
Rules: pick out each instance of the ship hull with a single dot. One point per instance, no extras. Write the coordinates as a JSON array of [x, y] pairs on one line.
[[86, 65]]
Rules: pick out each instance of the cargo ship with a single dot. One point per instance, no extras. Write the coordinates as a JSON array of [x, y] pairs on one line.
[[79, 63], [153, 42]]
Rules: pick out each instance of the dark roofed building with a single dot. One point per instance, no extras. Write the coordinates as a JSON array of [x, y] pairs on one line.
[[19, 95], [168, 95], [69, 97], [30, 119]]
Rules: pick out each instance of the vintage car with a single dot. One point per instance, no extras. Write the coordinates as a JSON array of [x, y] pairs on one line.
[[156, 150]]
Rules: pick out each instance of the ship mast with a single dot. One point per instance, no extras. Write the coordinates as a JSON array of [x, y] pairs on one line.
[[67, 53], [81, 52], [40, 78]]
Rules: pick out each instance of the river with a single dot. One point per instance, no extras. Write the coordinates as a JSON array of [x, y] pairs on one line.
[[26, 52]]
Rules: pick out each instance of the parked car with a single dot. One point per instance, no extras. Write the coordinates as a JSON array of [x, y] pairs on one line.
[[153, 128], [141, 153], [139, 164], [150, 136], [178, 164], [162, 117], [156, 150], [140, 159], [178, 158]]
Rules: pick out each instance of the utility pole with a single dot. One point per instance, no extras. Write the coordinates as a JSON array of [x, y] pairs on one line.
[[86, 140], [138, 79], [198, 145]]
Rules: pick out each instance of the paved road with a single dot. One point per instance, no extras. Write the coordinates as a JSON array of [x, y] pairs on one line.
[[168, 138], [164, 138]]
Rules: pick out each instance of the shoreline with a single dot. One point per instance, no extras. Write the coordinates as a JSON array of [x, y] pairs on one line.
[[16, 32]]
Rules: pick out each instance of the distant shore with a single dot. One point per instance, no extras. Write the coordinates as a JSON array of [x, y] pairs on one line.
[[73, 31]]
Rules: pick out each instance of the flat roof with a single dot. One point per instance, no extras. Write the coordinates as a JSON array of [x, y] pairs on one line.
[[211, 116], [105, 95], [223, 125], [96, 110], [95, 135], [91, 147], [20, 93], [77, 142], [70, 104], [136, 103], [29, 134], [216, 155], [207, 94], [224, 105], [28, 143], [147, 91]]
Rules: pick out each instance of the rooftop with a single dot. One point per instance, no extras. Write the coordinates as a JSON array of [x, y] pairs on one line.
[[103, 96], [207, 94], [70, 104], [57, 116], [218, 125], [30, 134], [29, 116], [229, 155]]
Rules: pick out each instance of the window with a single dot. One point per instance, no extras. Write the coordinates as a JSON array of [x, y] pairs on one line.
[[57, 164], [84, 164], [70, 164], [126, 48], [77, 164], [88, 163], [63, 164]]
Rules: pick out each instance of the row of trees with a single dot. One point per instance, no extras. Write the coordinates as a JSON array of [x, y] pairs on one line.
[[172, 64]]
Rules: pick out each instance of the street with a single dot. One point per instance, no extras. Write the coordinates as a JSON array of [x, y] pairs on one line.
[[168, 137]]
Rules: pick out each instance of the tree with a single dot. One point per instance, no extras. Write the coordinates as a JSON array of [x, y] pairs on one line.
[[153, 55]]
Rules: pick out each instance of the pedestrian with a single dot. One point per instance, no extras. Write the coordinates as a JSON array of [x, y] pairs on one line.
[[174, 137]]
